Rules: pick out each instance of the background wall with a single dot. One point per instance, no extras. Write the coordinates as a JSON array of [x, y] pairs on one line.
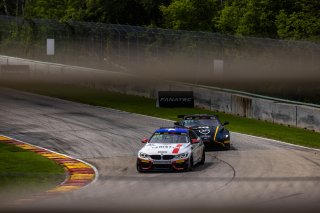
[[274, 110]]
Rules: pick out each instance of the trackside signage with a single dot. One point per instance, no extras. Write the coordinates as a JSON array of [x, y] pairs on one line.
[[175, 99]]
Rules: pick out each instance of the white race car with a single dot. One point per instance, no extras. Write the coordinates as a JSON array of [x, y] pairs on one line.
[[171, 148]]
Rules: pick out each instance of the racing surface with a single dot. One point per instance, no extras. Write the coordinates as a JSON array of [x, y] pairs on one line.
[[254, 173]]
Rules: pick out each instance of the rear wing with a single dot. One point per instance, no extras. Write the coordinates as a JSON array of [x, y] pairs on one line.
[[181, 116]]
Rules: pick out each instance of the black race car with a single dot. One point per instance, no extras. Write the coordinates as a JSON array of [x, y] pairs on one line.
[[208, 127]]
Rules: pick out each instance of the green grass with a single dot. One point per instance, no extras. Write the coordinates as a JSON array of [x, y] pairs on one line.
[[23, 172], [147, 106]]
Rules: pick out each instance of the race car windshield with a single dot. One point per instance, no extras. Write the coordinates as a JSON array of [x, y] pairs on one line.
[[169, 138], [201, 122]]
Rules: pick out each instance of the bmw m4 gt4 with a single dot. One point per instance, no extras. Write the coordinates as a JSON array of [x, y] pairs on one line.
[[176, 149]]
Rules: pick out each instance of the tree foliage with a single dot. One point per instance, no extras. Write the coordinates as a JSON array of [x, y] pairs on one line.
[[250, 17], [12, 7], [301, 21], [53, 9], [191, 14], [287, 19], [133, 12]]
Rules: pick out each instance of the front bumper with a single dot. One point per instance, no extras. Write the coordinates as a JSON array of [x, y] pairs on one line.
[[211, 142], [149, 165]]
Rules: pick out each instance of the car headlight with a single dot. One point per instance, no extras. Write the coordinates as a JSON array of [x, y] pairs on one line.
[[143, 155], [182, 155]]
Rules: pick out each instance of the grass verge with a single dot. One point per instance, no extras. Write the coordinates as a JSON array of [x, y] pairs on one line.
[[23, 172], [147, 106]]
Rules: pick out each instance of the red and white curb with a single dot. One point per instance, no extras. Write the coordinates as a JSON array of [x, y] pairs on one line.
[[79, 173]]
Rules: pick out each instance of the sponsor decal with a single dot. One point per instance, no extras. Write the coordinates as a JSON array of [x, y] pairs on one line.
[[204, 131], [175, 99], [179, 161], [162, 147], [176, 149]]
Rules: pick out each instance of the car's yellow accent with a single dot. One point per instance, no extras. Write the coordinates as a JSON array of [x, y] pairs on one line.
[[179, 161], [219, 143], [215, 134]]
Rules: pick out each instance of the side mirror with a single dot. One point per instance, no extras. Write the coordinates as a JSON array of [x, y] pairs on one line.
[[226, 123], [177, 123], [195, 141], [145, 140]]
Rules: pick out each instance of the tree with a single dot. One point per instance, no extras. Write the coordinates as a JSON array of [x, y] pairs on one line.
[[152, 8], [250, 17], [117, 11], [191, 14], [75, 10], [12, 7], [108, 11], [229, 19], [288, 19], [301, 21], [53, 9]]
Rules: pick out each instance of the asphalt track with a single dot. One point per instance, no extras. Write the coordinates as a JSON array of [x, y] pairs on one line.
[[255, 173]]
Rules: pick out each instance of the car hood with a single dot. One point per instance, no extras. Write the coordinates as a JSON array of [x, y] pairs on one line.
[[205, 130], [165, 148], [203, 127]]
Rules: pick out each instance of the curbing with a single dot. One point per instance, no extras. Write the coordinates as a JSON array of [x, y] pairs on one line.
[[79, 173]]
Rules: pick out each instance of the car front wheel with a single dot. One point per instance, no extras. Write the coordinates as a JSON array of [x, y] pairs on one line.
[[189, 167], [203, 157], [139, 167], [227, 146]]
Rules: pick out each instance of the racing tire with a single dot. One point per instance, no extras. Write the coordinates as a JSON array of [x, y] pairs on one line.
[[189, 167], [227, 146], [203, 158], [139, 168]]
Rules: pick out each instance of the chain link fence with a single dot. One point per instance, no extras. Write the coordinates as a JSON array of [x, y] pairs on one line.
[[153, 51]]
